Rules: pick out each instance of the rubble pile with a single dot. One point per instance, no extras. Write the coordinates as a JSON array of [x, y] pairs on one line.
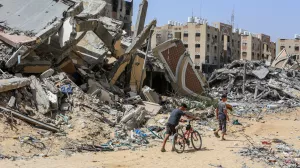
[[74, 78], [251, 85], [280, 154]]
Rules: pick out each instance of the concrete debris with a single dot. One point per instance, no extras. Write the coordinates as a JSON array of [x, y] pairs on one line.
[[150, 94], [13, 83], [134, 118], [87, 72], [152, 108], [282, 156], [12, 102], [39, 95], [47, 73]]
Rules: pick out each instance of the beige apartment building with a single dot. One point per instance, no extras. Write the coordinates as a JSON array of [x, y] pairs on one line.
[[291, 46], [210, 47], [257, 47]]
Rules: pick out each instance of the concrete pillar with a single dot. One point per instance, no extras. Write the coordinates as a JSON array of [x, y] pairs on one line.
[[140, 21]]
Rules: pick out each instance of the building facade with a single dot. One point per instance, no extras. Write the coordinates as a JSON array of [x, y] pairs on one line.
[[210, 47], [121, 10], [291, 46], [257, 47]]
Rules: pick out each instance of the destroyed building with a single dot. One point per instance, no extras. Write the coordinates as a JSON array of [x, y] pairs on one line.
[[258, 83], [75, 69]]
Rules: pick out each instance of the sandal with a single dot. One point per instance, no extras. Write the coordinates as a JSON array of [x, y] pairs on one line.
[[163, 150], [217, 135]]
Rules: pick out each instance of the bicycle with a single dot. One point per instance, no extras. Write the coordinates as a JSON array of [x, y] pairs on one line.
[[187, 137]]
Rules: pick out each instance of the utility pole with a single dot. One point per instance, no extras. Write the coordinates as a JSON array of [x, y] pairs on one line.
[[244, 77]]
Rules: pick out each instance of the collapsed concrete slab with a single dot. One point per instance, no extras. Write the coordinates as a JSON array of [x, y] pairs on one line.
[[184, 77], [13, 83], [152, 108], [261, 73], [150, 94], [134, 118], [40, 96]]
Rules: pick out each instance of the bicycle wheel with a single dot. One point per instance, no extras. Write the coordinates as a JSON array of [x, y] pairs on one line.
[[196, 140], [178, 143]]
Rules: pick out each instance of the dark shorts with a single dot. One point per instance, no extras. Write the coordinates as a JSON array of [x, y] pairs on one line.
[[222, 125], [170, 129]]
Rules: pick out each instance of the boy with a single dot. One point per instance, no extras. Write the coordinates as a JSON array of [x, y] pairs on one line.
[[222, 116]]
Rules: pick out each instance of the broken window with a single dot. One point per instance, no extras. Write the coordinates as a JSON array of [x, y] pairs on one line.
[[185, 35], [208, 47], [186, 45], [178, 35], [297, 48], [223, 37], [267, 47], [282, 47], [228, 39], [244, 44], [258, 56], [239, 43], [244, 54], [198, 34], [197, 45], [128, 8], [208, 36], [252, 56], [197, 56], [263, 56], [115, 5], [289, 46], [207, 59], [215, 48], [170, 36], [197, 67], [215, 57]]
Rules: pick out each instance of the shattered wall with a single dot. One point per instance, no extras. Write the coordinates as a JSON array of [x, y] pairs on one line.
[[184, 77]]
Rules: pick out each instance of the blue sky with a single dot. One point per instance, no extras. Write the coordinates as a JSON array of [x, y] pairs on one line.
[[277, 18]]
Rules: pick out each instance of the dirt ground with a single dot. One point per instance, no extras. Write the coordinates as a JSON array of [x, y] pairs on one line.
[[214, 152]]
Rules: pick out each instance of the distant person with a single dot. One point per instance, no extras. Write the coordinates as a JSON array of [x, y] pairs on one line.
[[173, 121], [222, 117]]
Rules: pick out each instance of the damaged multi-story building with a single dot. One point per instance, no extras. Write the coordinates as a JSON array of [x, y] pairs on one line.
[[257, 47], [210, 47], [292, 46]]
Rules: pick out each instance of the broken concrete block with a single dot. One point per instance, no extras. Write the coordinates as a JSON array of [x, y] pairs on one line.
[[50, 86], [53, 100], [134, 100], [134, 119], [67, 32], [33, 66], [152, 108], [95, 88], [150, 94], [47, 73], [13, 83], [39, 95], [65, 107], [19, 75], [261, 73], [12, 102]]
